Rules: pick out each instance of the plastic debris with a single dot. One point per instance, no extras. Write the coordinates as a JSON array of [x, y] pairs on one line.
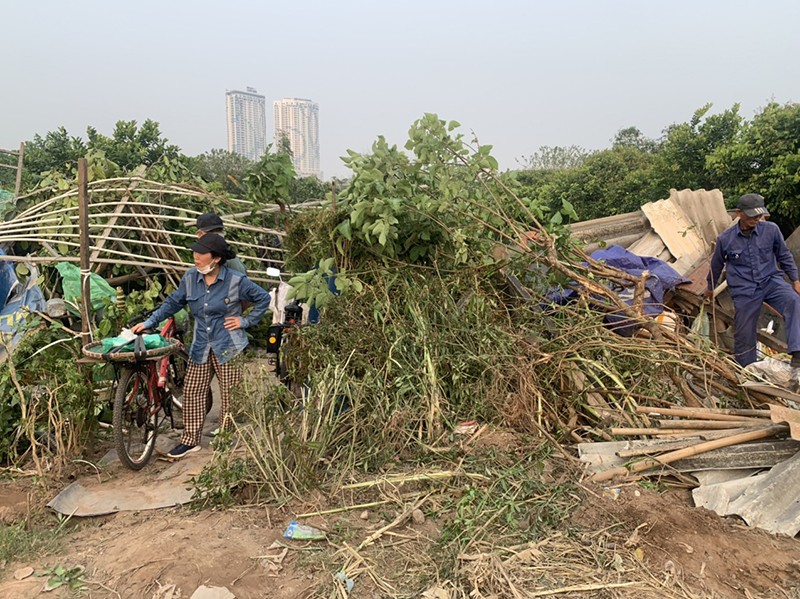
[[303, 531], [348, 583], [466, 428]]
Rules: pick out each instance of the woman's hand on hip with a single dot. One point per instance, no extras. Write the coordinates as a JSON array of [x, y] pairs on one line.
[[233, 322]]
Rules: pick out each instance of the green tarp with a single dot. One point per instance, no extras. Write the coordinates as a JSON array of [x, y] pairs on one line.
[[71, 284]]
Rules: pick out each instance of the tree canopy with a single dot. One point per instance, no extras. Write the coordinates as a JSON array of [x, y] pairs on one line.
[[721, 150]]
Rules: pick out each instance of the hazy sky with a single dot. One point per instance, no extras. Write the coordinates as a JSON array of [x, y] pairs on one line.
[[520, 74]]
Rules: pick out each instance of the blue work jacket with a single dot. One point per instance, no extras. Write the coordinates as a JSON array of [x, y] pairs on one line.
[[210, 305], [751, 261]]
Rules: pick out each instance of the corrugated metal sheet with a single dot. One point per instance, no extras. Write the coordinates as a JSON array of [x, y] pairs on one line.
[[705, 209], [767, 501], [680, 229], [679, 234]]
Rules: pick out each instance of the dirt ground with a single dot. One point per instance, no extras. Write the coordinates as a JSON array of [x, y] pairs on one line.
[[169, 553], [712, 556]]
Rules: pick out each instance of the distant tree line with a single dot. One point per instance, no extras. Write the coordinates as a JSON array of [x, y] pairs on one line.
[[710, 151], [52, 159]]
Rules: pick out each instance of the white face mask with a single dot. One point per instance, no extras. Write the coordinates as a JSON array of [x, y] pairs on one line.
[[207, 269]]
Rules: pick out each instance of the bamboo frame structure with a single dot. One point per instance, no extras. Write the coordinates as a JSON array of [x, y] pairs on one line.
[[140, 223]]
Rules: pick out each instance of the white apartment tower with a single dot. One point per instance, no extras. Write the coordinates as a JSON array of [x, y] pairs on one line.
[[298, 120], [247, 123]]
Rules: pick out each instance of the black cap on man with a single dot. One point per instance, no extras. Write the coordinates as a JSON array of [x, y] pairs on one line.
[[752, 204], [209, 222]]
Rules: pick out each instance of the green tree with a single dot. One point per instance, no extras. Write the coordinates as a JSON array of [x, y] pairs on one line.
[[554, 158], [307, 188], [284, 145], [681, 161], [270, 180], [632, 137], [225, 169], [764, 158], [57, 150], [131, 146], [611, 182]]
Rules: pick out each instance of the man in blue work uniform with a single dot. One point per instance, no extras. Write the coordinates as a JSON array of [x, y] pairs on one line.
[[751, 251]]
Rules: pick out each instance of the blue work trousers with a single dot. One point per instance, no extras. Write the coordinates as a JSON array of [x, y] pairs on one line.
[[747, 305]]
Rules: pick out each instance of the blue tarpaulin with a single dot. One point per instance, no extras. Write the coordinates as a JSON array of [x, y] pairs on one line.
[[662, 277], [8, 278], [24, 300]]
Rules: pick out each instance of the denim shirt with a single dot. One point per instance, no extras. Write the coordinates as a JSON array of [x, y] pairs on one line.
[[751, 261], [210, 305]]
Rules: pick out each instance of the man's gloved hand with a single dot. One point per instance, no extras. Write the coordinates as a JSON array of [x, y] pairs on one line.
[[708, 294], [796, 286]]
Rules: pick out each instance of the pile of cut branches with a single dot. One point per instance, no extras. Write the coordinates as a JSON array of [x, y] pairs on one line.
[[437, 335]]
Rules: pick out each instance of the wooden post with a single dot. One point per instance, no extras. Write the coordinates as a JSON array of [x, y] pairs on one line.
[[83, 224], [18, 185]]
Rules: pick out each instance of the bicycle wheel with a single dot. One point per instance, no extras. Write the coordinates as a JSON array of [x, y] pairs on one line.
[[176, 375], [135, 421]]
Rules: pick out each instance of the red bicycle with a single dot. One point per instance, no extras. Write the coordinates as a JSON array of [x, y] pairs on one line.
[[149, 385]]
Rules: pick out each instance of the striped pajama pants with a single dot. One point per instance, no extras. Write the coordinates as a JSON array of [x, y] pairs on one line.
[[195, 389]]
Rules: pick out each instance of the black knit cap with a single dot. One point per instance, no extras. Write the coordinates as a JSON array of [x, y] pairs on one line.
[[752, 204], [214, 244]]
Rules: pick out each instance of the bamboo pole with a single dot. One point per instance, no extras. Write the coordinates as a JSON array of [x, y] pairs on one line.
[[709, 424], [729, 412], [153, 244], [19, 225], [700, 413], [637, 431], [673, 456], [101, 242], [18, 182], [255, 277], [86, 292]]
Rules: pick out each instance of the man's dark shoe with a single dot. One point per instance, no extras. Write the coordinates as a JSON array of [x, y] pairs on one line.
[[796, 359], [180, 451]]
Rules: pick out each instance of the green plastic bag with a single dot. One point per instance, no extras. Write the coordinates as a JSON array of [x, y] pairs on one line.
[[153, 341], [71, 283]]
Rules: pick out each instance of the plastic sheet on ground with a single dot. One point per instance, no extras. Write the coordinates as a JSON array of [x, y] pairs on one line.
[[170, 488]]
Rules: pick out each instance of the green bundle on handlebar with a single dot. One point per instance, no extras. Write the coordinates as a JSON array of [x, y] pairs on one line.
[[123, 344]]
